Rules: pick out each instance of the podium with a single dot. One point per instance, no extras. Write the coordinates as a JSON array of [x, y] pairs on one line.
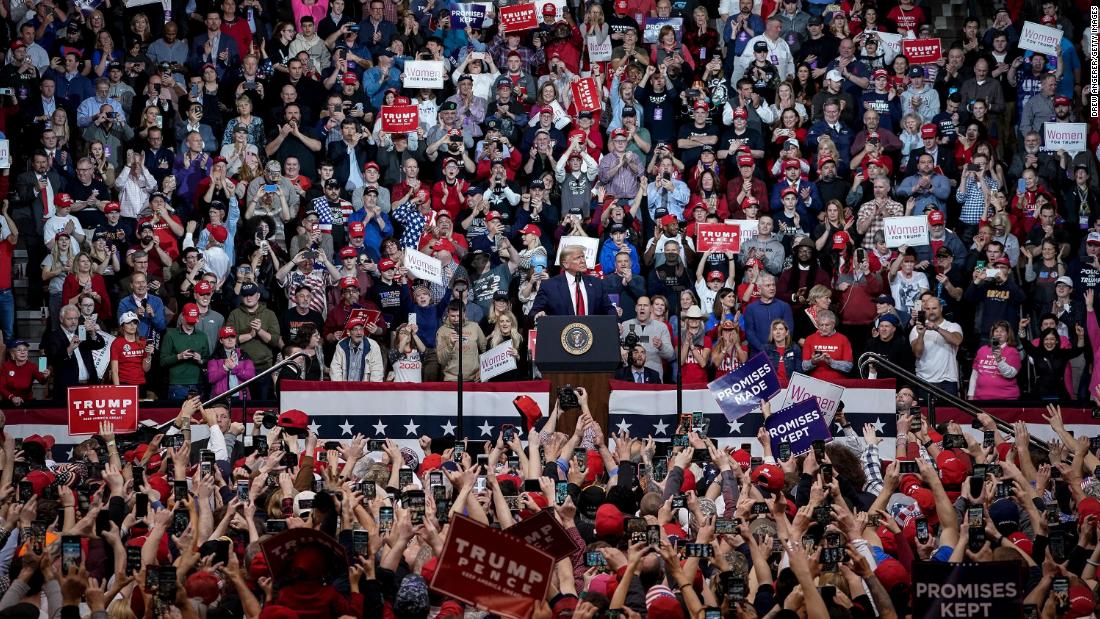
[[582, 351]]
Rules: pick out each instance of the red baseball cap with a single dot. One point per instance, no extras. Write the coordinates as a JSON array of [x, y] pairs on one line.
[[740, 113], [789, 191], [531, 229], [348, 282], [549, 9], [618, 133], [218, 233], [112, 207], [357, 229], [769, 476], [715, 276], [204, 287], [841, 240], [227, 331], [293, 419], [190, 313], [746, 160], [701, 105], [929, 130], [63, 200], [386, 264], [348, 252], [668, 219], [935, 218]]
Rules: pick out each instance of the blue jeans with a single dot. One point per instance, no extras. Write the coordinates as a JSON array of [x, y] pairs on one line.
[[179, 392], [7, 314]]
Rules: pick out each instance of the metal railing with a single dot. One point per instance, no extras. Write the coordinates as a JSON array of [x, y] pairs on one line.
[[884, 362]]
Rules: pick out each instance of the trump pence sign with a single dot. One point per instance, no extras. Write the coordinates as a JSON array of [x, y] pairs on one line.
[[89, 406]]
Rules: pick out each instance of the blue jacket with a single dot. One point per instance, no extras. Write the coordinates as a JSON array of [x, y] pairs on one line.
[[372, 234], [842, 139], [146, 325], [758, 322], [608, 253], [792, 358]]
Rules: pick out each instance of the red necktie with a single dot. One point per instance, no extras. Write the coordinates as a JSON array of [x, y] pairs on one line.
[[45, 199], [580, 297]]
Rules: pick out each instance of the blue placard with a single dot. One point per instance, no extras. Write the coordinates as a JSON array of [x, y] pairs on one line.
[[799, 424], [741, 391], [467, 14]]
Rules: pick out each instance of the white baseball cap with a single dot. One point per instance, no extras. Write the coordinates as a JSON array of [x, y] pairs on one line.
[[127, 317]]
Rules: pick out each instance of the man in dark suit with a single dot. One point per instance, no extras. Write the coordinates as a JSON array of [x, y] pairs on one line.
[[352, 146], [213, 47], [35, 190], [636, 371], [69, 356], [943, 157], [572, 293]]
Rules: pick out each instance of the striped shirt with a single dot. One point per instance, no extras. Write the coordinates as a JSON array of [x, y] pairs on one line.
[[972, 198]]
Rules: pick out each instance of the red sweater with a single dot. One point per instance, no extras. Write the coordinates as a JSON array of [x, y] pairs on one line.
[[455, 200], [72, 288], [836, 345], [16, 380]]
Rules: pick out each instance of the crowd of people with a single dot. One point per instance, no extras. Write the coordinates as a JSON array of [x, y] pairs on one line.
[[202, 189], [205, 191]]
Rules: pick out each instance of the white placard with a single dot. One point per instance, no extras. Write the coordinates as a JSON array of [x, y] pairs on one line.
[[497, 361], [423, 74], [748, 230], [590, 246], [423, 266], [889, 43], [598, 52], [5, 154], [911, 231], [1041, 39], [803, 387], [1070, 137]]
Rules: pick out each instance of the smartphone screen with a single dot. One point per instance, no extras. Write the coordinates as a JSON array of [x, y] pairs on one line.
[[141, 505], [360, 542], [70, 552], [561, 490]]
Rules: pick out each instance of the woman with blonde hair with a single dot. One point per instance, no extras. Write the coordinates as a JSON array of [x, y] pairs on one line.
[[59, 122], [784, 355], [406, 356], [56, 267], [254, 124], [785, 99], [728, 351], [140, 34], [507, 330]]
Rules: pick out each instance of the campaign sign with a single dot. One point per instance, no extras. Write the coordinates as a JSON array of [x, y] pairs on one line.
[[370, 316], [911, 231], [424, 266], [1041, 39], [497, 361], [491, 569], [986, 589], [5, 154], [598, 52], [90, 405], [718, 237], [279, 550], [748, 228], [799, 424], [590, 246], [423, 74], [803, 387], [400, 118], [518, 17], [1070, 137], [466, 14], [742, 390], [586, 94], [653, 27], [889, 43], [543, 531], [922, 51]]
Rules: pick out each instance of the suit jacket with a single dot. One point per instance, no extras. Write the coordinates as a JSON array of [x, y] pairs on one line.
[[27, 211], [627, 374], [338, 155], [66, 372], [944, 159], [226, 43], [554, 297]]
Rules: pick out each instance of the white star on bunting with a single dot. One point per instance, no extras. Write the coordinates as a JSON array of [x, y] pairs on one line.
[[660, 427], [315, 427], [380, 428], [623, 426], [735, 426], [486, 429], [412, 428], [448, 428], [346, 428]]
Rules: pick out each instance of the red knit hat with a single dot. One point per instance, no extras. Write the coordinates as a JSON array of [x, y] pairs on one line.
[[609, 521]]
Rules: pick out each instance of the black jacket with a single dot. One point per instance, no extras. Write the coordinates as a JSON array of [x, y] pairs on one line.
[[66, 371], [627, 374]]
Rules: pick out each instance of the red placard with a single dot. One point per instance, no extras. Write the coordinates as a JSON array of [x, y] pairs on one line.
[[544, 532], [586, 95], [922, 51], [718, 237], [279, 551], [369, 315], [518, 17], [400, 118], [90, 405], [491, 569]]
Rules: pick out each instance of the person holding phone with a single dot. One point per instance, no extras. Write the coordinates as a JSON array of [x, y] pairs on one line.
[[183, 352], [17, 375]]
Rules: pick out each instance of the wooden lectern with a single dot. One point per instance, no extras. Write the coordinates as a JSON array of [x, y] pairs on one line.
[[582, 351]]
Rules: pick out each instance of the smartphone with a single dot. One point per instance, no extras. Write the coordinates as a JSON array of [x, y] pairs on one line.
[[581, 454], [954, 441], [26, 491], [133, 560], [976, 484], [70, 552], [736, 588], [1058, 545], [206, 468], [827, 473], [242, 491], [221, 551], [1003, 491], [483, 460], [404, 477], [594, 558], [702, 551], [988, 439], [1059, 586], [653, 535], [180, 519], [385, 518], [724, 526], [561, 492], [413, 500], [760, 508], [976, 517], [271, 187], [819, 450], [660, 468], [922, 530], [179, 490], [784, 451], [435, 478], [166, 582], [460, 448], [375, 444], [712, 613], [531, 485], [636, 530], [906, 467], [509, 432], [1052, 514], [141, 505], [1021, 185], [360, 542], [275, 525], [679, 501]]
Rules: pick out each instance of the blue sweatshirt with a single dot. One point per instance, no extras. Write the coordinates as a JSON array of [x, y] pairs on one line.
[[758, 322]]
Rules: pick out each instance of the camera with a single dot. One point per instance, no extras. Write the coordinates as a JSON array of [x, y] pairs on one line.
[[567, 398], [630, 340]]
